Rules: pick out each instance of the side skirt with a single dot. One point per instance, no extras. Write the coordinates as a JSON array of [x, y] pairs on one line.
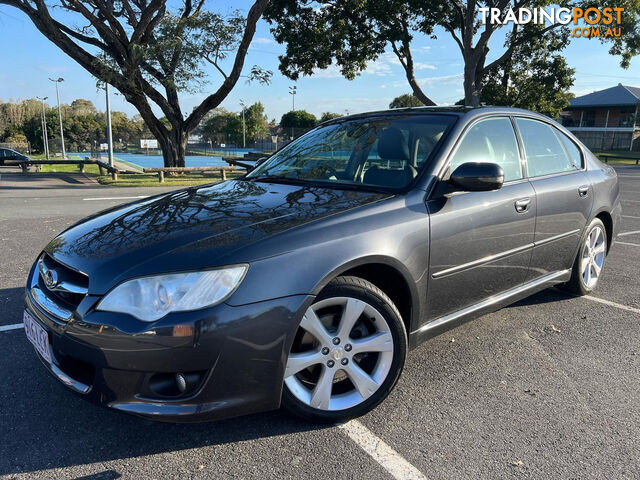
[[496, 302]]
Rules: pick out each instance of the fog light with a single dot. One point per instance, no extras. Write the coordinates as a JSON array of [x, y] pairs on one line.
[[181, 382]]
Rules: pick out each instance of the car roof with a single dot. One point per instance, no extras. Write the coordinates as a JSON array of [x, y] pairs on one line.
[[458, 110]]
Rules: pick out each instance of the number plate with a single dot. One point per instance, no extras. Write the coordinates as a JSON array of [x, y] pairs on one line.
[[37, 335]]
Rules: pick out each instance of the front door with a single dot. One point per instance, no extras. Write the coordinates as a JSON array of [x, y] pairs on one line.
[[481, 242], [564, 195]]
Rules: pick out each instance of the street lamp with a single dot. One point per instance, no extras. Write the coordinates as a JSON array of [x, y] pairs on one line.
[[45, 138], [56, 81], [292, 91], [244, 139], [109, 132]]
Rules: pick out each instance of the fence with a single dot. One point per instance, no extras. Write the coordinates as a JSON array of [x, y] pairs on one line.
[[605, 141], [18, 147]]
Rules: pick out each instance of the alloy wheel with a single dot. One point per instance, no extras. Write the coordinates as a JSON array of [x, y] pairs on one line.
[[341, 355], [593, 254]]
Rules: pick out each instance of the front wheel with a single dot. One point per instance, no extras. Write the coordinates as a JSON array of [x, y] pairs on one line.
[[589, 262], [347, 353]]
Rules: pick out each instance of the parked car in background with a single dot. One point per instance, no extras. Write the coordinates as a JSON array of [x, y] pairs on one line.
[[8, 156], [306, 282]]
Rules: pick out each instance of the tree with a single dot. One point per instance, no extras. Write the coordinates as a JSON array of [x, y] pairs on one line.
[[151, 54], [80, 106], [406, 100], [298, 119], [223, 127], [326, 116], [537, 78], [256, 121], [354, 32], [17, 138]]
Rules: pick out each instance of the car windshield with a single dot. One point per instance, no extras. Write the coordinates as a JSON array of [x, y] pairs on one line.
[[376, 152]]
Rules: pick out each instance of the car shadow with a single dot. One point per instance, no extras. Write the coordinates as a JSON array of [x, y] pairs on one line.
[[550, 295], [44, 425]]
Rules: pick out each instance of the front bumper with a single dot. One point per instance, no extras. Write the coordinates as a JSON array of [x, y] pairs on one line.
[[238, 352]]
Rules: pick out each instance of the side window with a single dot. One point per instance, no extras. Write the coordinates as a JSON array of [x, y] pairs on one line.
[[544, 151], [494, 141], [575, 156]]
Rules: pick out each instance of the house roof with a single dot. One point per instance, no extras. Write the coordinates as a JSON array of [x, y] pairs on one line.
[[620, 95]]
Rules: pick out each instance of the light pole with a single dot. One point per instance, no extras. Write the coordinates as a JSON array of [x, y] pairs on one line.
[[292, 91], [56, 81], [45, 138], [109, 135], [244, 139]]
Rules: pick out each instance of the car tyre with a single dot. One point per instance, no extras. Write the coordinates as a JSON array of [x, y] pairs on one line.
[[589, 262], [360, 367]]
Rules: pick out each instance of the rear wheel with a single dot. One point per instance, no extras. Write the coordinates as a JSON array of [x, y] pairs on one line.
[[347, 354], [589, 262]]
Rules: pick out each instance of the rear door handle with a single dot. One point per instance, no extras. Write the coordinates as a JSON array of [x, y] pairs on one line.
[[522, 205], [583, 190]]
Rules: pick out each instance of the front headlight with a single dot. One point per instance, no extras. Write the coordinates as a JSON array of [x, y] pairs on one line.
[[151, 298]]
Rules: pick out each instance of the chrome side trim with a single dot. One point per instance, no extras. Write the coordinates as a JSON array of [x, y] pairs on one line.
[[480, 261], [555, 237], [48, 305], [492, 301]]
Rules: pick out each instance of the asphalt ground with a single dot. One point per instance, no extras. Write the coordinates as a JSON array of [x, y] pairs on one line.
[[546, 388]]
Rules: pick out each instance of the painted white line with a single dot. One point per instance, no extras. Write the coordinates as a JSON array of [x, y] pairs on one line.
[[630, 216], [629, 176], [630, 201], [381, 452], [627, 243], [612, 304], [114, 198], [15, 326], [628, 233]]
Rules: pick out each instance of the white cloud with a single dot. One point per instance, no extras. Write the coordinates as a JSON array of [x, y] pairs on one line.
[[263, 41], [423, 66], [441, 80], [333, 71]]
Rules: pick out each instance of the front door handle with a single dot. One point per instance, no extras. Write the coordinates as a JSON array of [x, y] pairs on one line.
[[583, 190], [522, 205]]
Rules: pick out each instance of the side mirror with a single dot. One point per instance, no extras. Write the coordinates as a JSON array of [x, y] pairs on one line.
[[261, 160], [477, 177]]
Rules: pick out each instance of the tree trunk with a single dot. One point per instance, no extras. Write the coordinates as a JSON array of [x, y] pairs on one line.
[[471, 87], [174, 147]]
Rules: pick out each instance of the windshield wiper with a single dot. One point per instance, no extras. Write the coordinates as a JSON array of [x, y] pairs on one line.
[[276, 179]]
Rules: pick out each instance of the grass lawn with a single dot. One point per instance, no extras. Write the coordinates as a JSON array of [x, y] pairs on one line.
[[151, 180], [630, 157], [142, 179]]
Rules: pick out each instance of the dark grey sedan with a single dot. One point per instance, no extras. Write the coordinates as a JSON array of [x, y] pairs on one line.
[[306, 282]]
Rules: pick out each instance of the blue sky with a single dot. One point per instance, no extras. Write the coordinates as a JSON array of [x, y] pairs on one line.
[[29, 59]]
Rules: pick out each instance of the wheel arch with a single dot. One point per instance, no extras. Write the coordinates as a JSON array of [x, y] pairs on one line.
[[390, 276], [607, 219]]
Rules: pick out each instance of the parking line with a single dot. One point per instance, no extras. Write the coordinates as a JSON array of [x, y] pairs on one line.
[[15, 326], [612, 304], [628, 233], [630, 201], [114, 198], [381, 452], [628, 243], [630, 216]]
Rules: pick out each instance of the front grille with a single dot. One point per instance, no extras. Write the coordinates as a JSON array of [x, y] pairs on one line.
[[58, 288]]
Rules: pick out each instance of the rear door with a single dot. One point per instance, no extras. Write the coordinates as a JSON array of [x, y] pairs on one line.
[[555, 167], [481, 241]]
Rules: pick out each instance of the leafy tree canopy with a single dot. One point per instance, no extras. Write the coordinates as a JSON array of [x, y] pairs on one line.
[[298, 119], [152, 51], [351, 33], [406, 100], [326, 116]]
